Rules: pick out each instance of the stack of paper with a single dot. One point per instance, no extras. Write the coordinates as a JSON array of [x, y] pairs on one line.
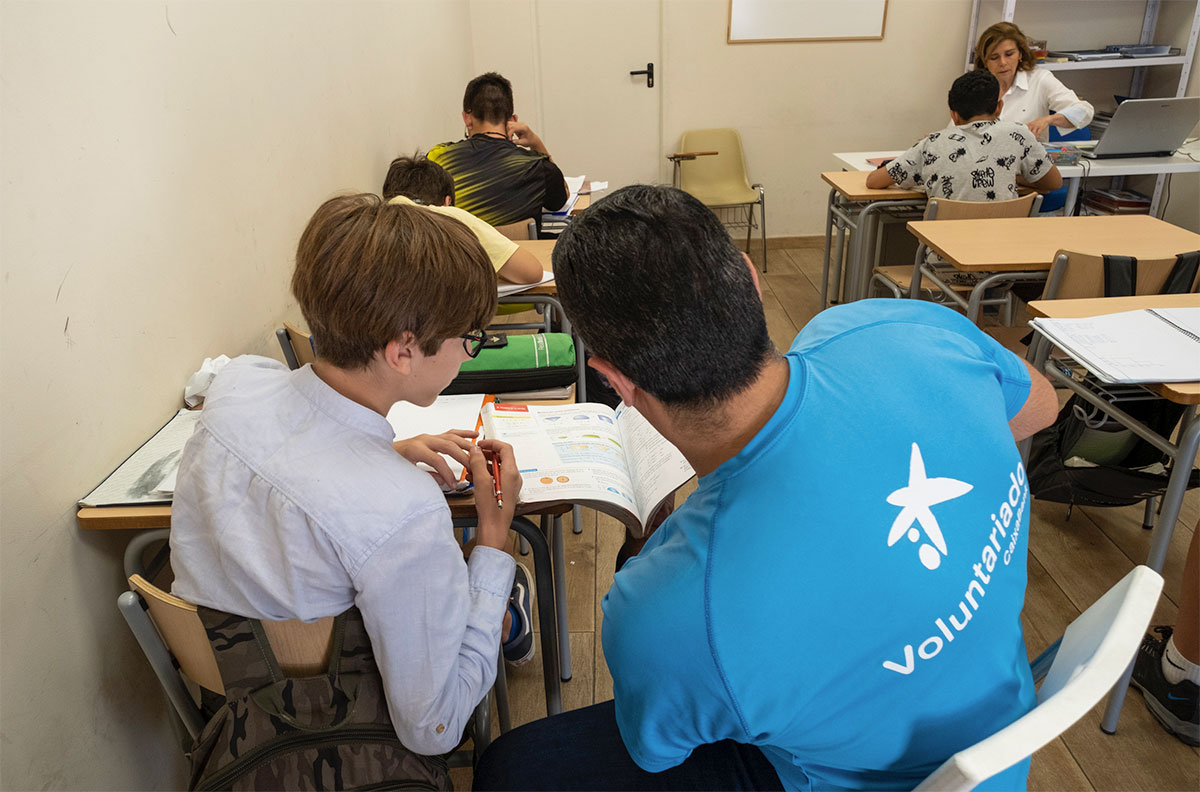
[[504, 289], [1151, 345]]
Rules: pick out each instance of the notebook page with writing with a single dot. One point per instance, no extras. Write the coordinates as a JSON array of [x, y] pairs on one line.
[[1132, 346]]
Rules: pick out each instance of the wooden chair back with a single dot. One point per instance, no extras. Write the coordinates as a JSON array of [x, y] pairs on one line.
[[523, 229], [301, 344], [1075, 275], [945, 209], [302, 649]]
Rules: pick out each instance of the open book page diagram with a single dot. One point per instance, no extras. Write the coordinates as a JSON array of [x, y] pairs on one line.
[[589, 454]]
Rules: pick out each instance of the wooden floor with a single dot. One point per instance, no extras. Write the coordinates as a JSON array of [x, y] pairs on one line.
[[1071, 562]]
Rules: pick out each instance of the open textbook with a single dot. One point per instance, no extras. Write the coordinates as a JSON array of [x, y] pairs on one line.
[[613, 461]]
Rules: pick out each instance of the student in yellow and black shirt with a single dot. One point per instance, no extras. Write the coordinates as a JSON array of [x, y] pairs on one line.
[[502, 170]]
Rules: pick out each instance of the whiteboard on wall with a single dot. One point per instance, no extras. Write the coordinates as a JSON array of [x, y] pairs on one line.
[[793, 20]]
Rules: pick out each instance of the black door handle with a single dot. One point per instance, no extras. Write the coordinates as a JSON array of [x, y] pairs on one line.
[[649, 72]]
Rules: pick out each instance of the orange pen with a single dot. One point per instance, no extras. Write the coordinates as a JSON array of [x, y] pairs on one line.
[[495, 460]]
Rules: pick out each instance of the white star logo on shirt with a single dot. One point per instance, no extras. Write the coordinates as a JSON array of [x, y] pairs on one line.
[[916, 500]]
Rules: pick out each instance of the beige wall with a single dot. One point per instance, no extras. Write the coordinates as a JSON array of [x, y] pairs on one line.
[[795, 103], [159, 162]]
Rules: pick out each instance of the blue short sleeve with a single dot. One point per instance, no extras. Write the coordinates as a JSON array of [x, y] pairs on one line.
[[1011, 371]]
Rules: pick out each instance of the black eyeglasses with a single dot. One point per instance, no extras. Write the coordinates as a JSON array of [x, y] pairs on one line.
[[473, 341]]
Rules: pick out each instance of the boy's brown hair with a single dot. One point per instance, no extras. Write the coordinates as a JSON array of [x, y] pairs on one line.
[[367, 272], [418, 179]]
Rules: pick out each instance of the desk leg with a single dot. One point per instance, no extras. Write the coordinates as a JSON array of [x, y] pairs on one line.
[[825, 259], [839, 257], [560, 596], [859, 242], [1181, 470], [1072, 196], [976, 300], [546, 610]]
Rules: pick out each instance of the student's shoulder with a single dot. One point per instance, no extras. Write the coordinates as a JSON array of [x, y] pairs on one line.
[[246, 377], [882, 318], [440, 150], [1011, 130]]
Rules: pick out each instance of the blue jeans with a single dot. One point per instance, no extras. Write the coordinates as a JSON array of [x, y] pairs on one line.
[[582, 750]]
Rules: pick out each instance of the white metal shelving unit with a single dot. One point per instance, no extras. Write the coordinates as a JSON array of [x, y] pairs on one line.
[[1138, 66]]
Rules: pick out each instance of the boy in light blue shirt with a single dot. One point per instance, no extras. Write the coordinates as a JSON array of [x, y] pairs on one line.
[[837, 605]]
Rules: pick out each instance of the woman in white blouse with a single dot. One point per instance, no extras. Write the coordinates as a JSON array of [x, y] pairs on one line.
[[1031, 96]]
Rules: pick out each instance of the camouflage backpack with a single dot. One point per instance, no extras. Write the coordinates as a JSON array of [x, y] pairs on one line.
[[331, 731]]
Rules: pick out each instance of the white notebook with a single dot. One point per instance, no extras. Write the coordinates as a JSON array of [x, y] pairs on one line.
[[1150, 345]]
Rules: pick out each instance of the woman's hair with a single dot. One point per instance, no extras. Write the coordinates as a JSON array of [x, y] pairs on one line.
[[369, 272], [997, 33]]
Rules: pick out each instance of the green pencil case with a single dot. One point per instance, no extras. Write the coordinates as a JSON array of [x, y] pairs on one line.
[[525, 362]]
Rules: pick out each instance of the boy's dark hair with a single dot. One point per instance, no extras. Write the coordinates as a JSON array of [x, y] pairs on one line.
[[489, 98], [974, 93], [367, 272], [655, 285], [420, 179]]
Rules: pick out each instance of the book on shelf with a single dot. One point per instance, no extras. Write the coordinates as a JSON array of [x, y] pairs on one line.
[[1112, 201], [589, 454], [1084, 55], [1149, 345]]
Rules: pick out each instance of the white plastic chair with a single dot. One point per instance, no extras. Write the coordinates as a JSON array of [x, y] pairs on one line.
[[1095, 651]]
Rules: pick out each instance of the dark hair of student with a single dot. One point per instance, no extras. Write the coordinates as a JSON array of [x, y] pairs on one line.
[[998, 34], [974, 93], [489, 98], [418, 179], [367, 272], [655, 285]]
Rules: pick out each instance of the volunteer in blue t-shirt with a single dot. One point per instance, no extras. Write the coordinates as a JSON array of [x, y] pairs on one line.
[[837, 605]]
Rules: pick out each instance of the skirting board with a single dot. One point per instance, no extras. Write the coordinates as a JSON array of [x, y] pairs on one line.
[[779, 243]]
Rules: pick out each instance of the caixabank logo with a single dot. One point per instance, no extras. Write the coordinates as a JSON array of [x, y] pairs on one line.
[[918, 523], [917, 500]]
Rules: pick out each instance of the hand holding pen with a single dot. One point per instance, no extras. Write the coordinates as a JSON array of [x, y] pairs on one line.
[[494, 462], [491, 461]]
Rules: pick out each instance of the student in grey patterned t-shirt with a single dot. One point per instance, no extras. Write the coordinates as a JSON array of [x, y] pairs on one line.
[[980, 158]]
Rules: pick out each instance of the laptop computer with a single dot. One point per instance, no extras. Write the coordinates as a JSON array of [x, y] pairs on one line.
[[1146, 128]]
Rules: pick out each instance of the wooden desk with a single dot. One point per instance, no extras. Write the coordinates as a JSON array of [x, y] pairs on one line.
[[1023, 248], [852, 205], [1029, 243], [1182, 454]]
